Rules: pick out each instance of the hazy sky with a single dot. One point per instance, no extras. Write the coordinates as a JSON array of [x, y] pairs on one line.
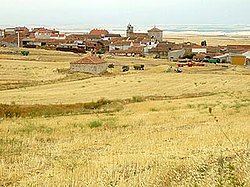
[[52, 12]]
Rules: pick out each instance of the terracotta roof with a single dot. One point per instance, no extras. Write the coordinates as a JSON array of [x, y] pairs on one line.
[[49, 41], [44, 30], [57, 35], [98, 32], [119, 39], [199, 47], [138, 50], [138, 35], [113, 35], [89, 60], [136, 44], [145, 41], [22, 29], [239, 46], [154, 30], [121, 43]]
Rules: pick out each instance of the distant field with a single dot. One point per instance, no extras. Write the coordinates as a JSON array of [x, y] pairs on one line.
[[151, 128], [212, 40]]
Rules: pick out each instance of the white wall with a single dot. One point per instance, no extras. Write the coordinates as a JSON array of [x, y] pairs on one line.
[[120, 47], [199, 50], [149, 45]]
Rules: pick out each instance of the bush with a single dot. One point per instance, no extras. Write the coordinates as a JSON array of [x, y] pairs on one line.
[[189, 56], [138, 99], [98, 104], [95, 124]]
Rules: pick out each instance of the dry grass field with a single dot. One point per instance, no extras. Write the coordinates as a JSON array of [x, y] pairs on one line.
[[146, 128], [212, 40]]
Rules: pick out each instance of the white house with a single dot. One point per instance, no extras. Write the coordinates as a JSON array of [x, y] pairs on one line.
[[235, 59], [1, 33], [247, 54], [199, 49], [148, 45], [120, 45], [58, 36], [10, 31]]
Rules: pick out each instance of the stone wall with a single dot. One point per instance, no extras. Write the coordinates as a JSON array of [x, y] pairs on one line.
[[89, 68], [157, 35]]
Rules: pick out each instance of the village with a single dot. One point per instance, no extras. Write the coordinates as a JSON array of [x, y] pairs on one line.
[[132, 44], [123, 109]]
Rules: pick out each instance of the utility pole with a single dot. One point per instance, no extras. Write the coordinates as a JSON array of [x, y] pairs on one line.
[[18, 39]]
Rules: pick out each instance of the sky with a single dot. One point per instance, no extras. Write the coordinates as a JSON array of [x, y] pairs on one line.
[[120, 12]]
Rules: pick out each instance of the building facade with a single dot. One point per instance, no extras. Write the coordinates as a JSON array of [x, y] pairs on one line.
[[130, 30], [156, 34], [1, 33], [176, 54], [90, 64]]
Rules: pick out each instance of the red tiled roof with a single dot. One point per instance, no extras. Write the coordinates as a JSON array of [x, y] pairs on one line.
[[22, 29], [113, 35], [57, 35], [145, 41], [118, 39], [120, 43], [198, 47], [50, 41], [44, 30], [138, 35], [89, 60], [98, 32], [136, 44], [239, 46], [84, 37]]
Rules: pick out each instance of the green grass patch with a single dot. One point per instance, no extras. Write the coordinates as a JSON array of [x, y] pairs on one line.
[[31, 127], [95, 124]]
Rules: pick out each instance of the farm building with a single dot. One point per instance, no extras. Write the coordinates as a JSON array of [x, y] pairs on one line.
[[9, 31], [247, 54], [238, 59], [1, 33], [120, 45], [176, 54], [199, 49], [234, 59], [132, 51], [90, 64]]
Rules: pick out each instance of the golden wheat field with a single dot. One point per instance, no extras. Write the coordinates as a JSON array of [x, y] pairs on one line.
[[139, 128]]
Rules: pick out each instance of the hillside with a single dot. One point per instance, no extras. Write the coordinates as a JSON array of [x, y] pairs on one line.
[[139, 128]]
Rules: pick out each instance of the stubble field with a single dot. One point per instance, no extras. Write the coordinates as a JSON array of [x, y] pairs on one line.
[[141, 128]]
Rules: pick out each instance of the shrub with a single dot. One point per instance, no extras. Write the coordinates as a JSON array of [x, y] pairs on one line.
[[98, 104], [138, 99], [95, 124]]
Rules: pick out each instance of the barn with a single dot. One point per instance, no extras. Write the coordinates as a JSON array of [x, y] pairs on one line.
[[238, 59], [90, 64], [234, 59]]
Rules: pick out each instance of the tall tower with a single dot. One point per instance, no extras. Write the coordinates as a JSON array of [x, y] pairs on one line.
[[130, 30]]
